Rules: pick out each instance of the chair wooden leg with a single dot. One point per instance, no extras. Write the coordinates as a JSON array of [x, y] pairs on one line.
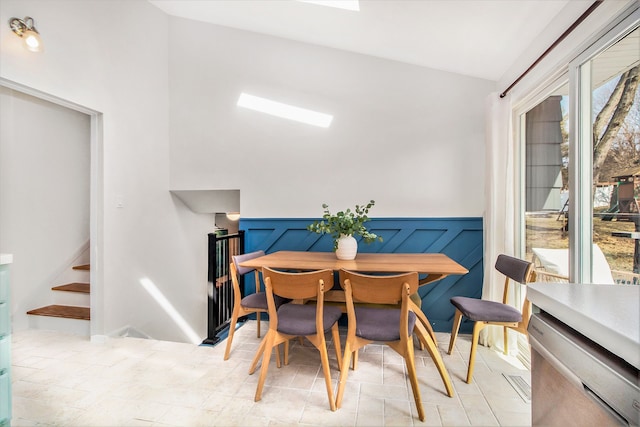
[[343, 373], [423, 319], [286, 352], [268, 348], [324, 358], [232, 330], [419, 342], [505, 332], [258, 321], [413, 378], [437, 359], [477, 327], [278, 364], [355, 360], [336, 344], [454, 330]]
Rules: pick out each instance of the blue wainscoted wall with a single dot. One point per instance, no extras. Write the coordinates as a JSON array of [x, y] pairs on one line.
[[458, 238]]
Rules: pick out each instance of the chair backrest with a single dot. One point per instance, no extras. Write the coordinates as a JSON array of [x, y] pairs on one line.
[[520, 271], [237, 271], [379, 289], [393, 290], [237, 259], [514, 268], [296, 286]]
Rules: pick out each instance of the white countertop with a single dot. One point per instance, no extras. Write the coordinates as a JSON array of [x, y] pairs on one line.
[[606, 314], [6, 259]]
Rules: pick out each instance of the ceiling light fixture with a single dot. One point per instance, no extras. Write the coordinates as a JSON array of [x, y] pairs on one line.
[[26, 29], [353, 5], [285, 111], [233, 216]]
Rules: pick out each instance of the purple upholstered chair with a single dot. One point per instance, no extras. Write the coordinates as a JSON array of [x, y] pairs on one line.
[[484, 312], [296, 319], [252, 303], [384, 317]]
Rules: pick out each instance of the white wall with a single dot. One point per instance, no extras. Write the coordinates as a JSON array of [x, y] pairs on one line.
[[409, 137], [44, 195], [111, 56]]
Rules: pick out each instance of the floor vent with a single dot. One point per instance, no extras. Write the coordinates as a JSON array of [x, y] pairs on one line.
[[520, 385]]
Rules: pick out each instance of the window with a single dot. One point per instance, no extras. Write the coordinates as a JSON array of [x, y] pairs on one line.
[[581, 180], [546, 190], [610, 110]]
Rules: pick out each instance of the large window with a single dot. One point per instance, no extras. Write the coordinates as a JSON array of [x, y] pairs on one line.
[[582, 166], [613, 109], [546, 180]]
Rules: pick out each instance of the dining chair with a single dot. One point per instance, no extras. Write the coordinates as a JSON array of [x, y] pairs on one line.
[[485, 313], [378, 311], [252, 303], [311, 320]]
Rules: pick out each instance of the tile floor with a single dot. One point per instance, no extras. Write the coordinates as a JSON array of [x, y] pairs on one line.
[[66, 380]]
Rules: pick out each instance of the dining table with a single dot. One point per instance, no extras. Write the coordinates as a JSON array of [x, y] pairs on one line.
[[433, 266]]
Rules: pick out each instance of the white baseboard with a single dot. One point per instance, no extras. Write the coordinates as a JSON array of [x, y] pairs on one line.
[[61, 324], [129, 331]]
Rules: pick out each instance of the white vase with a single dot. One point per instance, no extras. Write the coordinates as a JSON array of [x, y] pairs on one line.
[[347, 247]]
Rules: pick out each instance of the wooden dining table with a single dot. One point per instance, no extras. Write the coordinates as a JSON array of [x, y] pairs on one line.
[[434, 266]]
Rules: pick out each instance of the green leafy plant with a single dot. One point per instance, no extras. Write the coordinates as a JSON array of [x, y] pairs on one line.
[[349, 223]]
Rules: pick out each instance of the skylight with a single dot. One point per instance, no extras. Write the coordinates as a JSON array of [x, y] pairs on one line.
[[341, 4], [285, 111]]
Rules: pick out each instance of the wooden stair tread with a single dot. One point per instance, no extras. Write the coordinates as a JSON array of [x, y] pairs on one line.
[[83, 288], [82, 267], [66, 311]]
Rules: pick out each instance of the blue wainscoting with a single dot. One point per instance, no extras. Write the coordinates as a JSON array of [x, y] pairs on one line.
[[458, 238]]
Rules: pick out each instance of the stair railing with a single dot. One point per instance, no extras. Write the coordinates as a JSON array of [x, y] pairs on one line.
[[220, 295]]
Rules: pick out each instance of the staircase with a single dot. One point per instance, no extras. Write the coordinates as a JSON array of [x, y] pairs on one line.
[[70, 311]]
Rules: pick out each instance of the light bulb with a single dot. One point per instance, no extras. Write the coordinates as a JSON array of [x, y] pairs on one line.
[[32, 41]]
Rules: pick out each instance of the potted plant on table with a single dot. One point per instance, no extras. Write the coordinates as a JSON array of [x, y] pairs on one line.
[[342, 227]]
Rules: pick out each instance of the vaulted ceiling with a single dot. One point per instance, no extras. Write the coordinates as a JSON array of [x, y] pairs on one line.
[[480, 38]]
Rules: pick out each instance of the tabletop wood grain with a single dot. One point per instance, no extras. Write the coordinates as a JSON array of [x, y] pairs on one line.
[[435, 265]]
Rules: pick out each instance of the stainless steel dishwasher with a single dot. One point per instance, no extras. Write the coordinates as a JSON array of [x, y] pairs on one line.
[[576, 382]]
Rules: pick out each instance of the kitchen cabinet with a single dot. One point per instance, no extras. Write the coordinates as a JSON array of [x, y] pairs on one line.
[[585, 342]]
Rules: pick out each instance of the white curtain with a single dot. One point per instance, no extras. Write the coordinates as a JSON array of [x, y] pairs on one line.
[[499, 204]]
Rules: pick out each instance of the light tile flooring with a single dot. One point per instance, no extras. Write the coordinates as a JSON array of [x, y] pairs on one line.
[[65, 380]]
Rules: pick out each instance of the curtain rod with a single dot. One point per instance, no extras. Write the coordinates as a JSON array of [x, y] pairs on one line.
[[556, 43]]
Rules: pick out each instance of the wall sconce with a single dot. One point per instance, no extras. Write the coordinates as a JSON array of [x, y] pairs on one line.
[[233, 216], [24, 28]]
